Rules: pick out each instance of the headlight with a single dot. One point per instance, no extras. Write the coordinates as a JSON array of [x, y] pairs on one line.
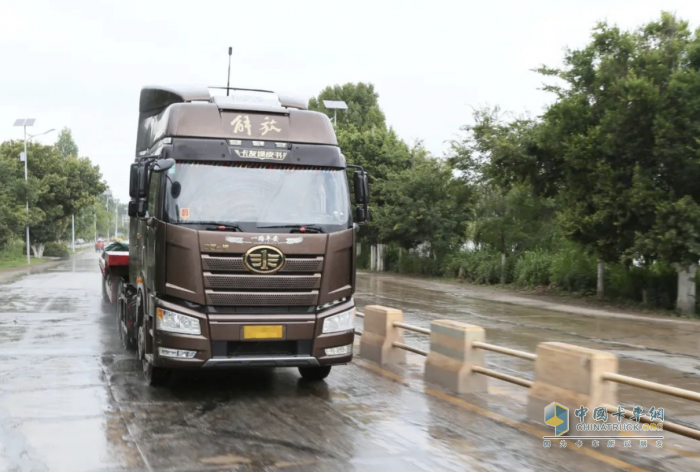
[[344, 321], [176, 322]]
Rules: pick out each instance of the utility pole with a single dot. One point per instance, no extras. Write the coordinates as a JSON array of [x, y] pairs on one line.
[[116, 220], [73, 231], [26, 181]]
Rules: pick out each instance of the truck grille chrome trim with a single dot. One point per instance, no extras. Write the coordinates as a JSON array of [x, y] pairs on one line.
[[287, 361], [235, 264]]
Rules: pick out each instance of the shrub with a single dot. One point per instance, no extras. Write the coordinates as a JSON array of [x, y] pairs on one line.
[[533, 268], [14, 248], [483, 267], [56, 250], [574, 270]]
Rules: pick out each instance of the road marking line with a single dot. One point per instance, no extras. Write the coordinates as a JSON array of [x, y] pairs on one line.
[[535, 431]]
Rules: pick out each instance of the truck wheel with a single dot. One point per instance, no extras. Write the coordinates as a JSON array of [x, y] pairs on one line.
[[127, 341], [315, 373], [155, 376], [105, 296]]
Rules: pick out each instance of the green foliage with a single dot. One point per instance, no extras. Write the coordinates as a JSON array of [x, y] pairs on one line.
[[481, 267], [423, 204], [533, 268], [65, 144], [58, 188], [573, 270], [363, 113], [56, 249]]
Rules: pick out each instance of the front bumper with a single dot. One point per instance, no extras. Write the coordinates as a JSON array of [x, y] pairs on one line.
[[221, 334]]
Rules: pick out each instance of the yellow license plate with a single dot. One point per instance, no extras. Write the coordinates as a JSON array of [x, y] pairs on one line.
[[263, 332]]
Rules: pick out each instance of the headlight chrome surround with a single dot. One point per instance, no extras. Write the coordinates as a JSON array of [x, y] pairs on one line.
[[343, 321], [173, 322]]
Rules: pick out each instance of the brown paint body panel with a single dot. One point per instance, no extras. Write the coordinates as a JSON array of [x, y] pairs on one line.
[[183, 264], [207, 268]]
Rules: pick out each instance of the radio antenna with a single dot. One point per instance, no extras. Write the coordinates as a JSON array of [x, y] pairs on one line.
[[228, 83]]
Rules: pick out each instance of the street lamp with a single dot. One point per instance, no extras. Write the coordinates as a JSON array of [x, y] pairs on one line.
[[335, 105], [32, 136], [24, 122]]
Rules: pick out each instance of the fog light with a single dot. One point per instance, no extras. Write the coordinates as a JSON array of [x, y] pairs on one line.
[[179, 353], [339, 351]]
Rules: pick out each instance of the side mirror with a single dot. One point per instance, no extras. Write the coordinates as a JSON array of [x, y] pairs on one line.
[[141, 208], [360, 184], [133, 208], [175, 189], [142, 180], [162, 165], [360, 215], [134, 180]]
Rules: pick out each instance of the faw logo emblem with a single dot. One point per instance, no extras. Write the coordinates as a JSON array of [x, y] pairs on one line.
[[263, 259]]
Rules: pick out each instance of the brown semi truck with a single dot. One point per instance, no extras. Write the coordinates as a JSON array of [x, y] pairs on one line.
[[242, 238]]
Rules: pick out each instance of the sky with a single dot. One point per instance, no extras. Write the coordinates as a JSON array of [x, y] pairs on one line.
[[81, 64]]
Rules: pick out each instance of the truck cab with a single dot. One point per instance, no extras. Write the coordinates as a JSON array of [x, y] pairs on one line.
[[242, 235]]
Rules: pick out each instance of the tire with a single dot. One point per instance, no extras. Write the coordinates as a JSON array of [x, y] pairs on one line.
[[315, 373], [126, 341], [105, 296], [154, 376]]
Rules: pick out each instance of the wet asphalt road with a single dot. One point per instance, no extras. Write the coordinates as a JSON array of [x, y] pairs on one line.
[[72, 400]]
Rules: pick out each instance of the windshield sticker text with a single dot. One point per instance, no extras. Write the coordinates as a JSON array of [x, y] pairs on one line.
[[253, 154]]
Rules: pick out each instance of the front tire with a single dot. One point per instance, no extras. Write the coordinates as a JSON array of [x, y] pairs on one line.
[[154, 376], [315, 373]]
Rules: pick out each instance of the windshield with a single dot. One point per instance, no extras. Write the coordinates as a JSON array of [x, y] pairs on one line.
[[254, 196]]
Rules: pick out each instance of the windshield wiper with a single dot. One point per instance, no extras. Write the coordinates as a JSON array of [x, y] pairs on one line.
[[296, 228], [213, 225]]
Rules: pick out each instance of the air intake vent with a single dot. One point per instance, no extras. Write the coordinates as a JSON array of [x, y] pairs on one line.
[[262, 298]]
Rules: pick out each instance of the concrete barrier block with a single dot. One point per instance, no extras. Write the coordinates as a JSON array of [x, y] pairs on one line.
[[452, 356], [572, 376], [379, 335]]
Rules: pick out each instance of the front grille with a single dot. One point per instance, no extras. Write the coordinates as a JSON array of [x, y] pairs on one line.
[[260, 348], [262, 298], [229, 284], [235, 264], [262, 282]]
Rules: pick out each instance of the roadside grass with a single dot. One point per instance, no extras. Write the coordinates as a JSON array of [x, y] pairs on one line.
[[12, 256], [20, 261]]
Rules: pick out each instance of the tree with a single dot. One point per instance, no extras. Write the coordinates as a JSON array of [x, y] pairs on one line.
[[13, 194], [65, 144], [423, 204], [363, 111], [618, 147], [58, 188]]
